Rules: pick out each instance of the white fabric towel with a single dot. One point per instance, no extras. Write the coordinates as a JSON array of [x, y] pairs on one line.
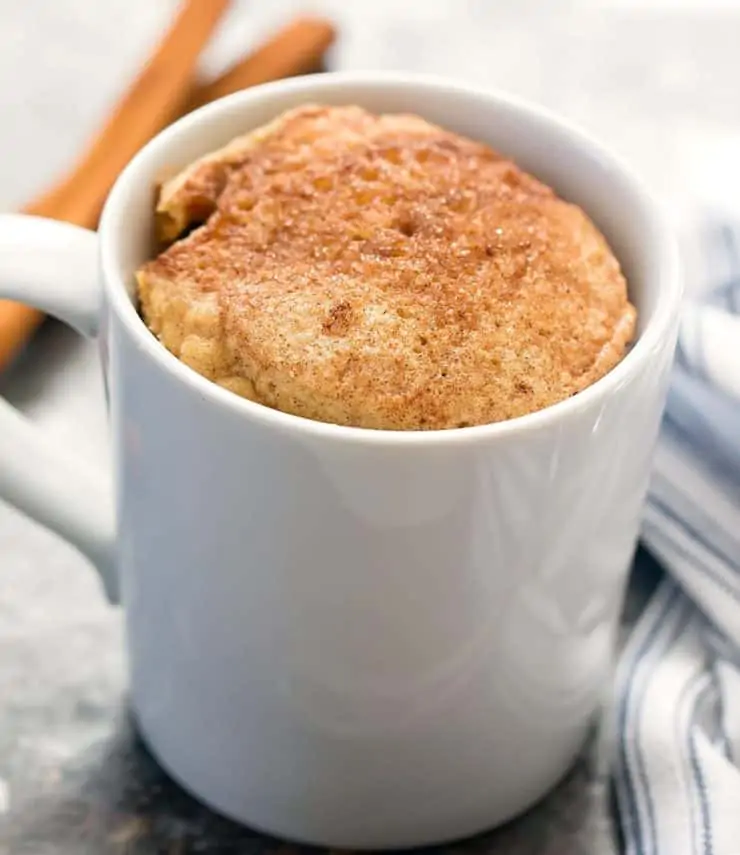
[[677, 765]]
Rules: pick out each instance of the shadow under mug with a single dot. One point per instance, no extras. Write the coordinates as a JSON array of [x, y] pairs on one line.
[[348, 637]]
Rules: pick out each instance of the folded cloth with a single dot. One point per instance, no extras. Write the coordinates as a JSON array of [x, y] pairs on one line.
[[677, 715]]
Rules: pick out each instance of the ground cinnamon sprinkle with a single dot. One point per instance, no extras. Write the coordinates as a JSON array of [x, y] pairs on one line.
[[382, 272]]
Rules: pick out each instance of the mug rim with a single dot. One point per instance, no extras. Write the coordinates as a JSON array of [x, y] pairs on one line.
[[657, 329]]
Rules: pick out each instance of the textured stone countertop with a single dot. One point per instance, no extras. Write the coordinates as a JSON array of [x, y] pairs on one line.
[[654, 79]]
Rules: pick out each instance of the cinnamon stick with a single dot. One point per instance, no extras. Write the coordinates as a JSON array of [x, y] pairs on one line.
[[156, 98], [296, 49]]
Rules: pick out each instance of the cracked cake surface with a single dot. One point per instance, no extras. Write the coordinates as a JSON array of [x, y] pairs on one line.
[[381, 272]]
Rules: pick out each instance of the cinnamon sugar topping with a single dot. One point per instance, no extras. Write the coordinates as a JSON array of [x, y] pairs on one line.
[[382, 272]]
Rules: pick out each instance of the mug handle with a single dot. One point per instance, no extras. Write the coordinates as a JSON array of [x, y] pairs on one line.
[[53, 266]]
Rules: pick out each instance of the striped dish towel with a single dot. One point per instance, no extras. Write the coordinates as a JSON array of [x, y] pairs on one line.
[[677, 769]]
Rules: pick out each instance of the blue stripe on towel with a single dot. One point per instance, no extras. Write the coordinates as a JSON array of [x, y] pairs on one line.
[[697, 535], [704, 422], [645, 656], [698, 776]]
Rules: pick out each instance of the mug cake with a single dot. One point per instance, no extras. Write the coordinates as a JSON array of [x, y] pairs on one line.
[[379, 271]]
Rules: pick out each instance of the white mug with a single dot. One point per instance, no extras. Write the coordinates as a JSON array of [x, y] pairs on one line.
[[342, 636]]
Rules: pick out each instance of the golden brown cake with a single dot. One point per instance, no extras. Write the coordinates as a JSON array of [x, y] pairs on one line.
[[381, 272]]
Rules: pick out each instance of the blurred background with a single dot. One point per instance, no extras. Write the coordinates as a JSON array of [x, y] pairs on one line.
[[656, 80]]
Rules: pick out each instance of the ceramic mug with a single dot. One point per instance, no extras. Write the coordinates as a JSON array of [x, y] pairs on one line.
[[342, 636]]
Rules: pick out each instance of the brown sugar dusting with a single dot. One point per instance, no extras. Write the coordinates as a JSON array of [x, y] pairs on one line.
[[381, 272], [338, 321]]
